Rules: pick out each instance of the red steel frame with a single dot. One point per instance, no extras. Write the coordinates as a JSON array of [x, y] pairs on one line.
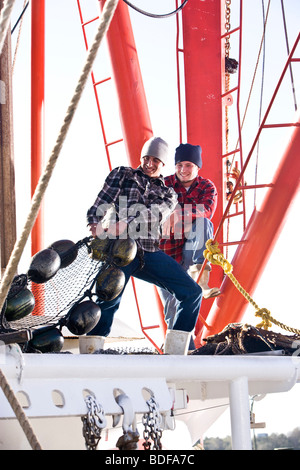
[[264, 225], [204, 66]]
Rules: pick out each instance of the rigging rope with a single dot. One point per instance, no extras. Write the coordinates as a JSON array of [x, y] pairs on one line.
[[153, 15], [107, 14], [20, 415], [214, 256], [261, 96], [5, 21], [288, 51], [21, 18]]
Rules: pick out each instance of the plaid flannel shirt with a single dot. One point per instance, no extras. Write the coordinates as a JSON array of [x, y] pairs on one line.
[[143, 202], [201, 197]]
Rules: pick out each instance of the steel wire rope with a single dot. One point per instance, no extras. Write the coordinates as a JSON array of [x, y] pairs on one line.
[[261, 98], [5, 21], [107, 14], [20, 20], [21, 16], [288, 51], [154, 15]]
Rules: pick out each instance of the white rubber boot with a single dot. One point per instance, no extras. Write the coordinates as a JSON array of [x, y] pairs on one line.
[[208, 292], [177, 342], [90, 344]]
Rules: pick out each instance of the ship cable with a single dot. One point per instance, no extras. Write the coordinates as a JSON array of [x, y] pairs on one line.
[[11, 268], [20, 19], [153, 15], [5, 21], [288, 51], [214, 256], [21, 16], [20, 415], [261, 97]]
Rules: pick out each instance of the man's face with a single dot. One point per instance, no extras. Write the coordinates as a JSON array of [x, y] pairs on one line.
[[186, 172], [151, 166]]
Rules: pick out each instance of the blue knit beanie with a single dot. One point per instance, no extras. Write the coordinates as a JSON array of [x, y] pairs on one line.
[[189, 153]]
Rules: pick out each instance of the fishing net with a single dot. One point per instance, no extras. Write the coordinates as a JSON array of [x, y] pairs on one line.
[[54, 298], [238, 338]]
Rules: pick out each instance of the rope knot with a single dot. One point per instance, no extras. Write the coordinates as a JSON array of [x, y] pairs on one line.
[[265, 315], [214, 256]]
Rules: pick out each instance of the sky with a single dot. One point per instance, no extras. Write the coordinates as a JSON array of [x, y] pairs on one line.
[[82, 164]]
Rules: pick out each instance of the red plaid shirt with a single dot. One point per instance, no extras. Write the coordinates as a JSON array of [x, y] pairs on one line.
[[201, 197]]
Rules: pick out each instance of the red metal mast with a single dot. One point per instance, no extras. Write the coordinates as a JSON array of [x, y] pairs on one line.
[[204, 65], [37, 110], [37, 127]]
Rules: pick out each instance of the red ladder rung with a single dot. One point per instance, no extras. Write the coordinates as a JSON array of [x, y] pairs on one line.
[[101, 81], [230, 153], [108, 144], [238, 242], [89, 22], [234, 215], [230, 91], [228, 33]]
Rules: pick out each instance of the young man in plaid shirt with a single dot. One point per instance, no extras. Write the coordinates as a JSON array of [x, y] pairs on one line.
[[192, 227], [142, 202]]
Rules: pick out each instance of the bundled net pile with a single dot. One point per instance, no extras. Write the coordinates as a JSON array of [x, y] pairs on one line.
[[238, 338], [54, 298]]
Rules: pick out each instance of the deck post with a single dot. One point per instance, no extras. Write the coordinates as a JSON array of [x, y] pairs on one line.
[[240, 414]]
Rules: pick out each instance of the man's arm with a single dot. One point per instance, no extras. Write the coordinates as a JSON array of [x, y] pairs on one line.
[[105, 201], [205, 202]]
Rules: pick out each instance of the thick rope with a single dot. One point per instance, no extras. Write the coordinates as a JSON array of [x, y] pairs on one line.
[[19, 37], [5, 21], [18, 410], [107, 15], [214, 256]]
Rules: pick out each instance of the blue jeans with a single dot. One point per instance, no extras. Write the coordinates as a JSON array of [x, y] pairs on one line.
[[163, 271], [192, 253]]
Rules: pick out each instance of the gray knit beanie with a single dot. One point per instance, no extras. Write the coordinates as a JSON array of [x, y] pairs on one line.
[[156, 147]]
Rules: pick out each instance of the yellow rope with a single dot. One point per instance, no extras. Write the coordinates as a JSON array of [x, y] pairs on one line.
[[214, 256]]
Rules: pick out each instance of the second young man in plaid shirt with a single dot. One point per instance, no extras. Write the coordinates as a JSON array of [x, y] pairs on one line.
[[192, 227]]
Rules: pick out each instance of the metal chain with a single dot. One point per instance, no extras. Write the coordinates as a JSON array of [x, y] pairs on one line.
[[93, 423], [227, 87], [152, 426], [227, 26]]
